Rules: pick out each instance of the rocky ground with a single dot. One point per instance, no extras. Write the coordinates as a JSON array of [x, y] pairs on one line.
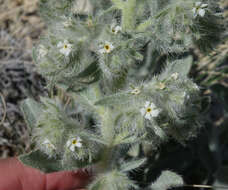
[[20, 28]]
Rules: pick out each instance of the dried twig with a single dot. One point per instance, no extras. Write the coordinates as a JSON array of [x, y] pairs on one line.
[[207, 186], [4, 105]]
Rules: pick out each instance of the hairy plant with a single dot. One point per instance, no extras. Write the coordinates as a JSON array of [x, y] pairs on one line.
[[109, 98]]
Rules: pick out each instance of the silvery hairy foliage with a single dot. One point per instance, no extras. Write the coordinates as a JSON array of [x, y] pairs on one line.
[[107, 101]]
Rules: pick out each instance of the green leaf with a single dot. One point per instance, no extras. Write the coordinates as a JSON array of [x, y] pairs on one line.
[[84, 102], [34, 56], [31, 110], [118, 3], [118, 98], [167, 180], [143, 26], [122, 139], [183, 66], [125, 138], [136, 55], [93, 137], [91, 69], [78, 82], [39, 160], [132, 165]]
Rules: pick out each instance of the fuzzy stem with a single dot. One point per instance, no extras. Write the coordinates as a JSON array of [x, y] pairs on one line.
[[97, 91], [108, 134], [104, 164], [107, 124], [128, 15], [118, 3]]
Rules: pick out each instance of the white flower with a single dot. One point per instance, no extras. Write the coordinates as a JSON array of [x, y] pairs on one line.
[[199, 9], [150, 110], [115, 29], [73, 143], [136, 91], [42, 51], [107, 47], [175, 76], [48, 144], [65, 47]]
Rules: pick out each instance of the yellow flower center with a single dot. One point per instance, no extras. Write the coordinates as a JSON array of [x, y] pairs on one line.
[[136, 91], [107, 47], [113, 30], [74, 141], [65, 46], [148, 110]]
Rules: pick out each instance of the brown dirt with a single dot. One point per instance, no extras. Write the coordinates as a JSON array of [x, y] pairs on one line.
[[21, 20], [20, 28]]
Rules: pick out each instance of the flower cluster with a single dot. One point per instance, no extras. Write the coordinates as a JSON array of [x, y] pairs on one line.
[[110, 90]]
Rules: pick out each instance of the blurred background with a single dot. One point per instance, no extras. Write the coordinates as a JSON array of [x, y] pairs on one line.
[[204, 159], [20, 28]]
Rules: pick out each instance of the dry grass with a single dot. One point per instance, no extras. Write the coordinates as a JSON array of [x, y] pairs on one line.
[[20, 28], [20, 19]]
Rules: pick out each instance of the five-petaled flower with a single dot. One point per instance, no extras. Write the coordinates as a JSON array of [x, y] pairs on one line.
[[48, 145], [199, 9], [65, 47], [149, 110], [73, 143], [115, 28], [107, 47]]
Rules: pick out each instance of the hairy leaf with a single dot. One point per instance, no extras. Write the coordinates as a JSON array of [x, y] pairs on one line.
[[132, 165], [31, 110], [167, 180], [114, 99], [183, 66], [41, 161]]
